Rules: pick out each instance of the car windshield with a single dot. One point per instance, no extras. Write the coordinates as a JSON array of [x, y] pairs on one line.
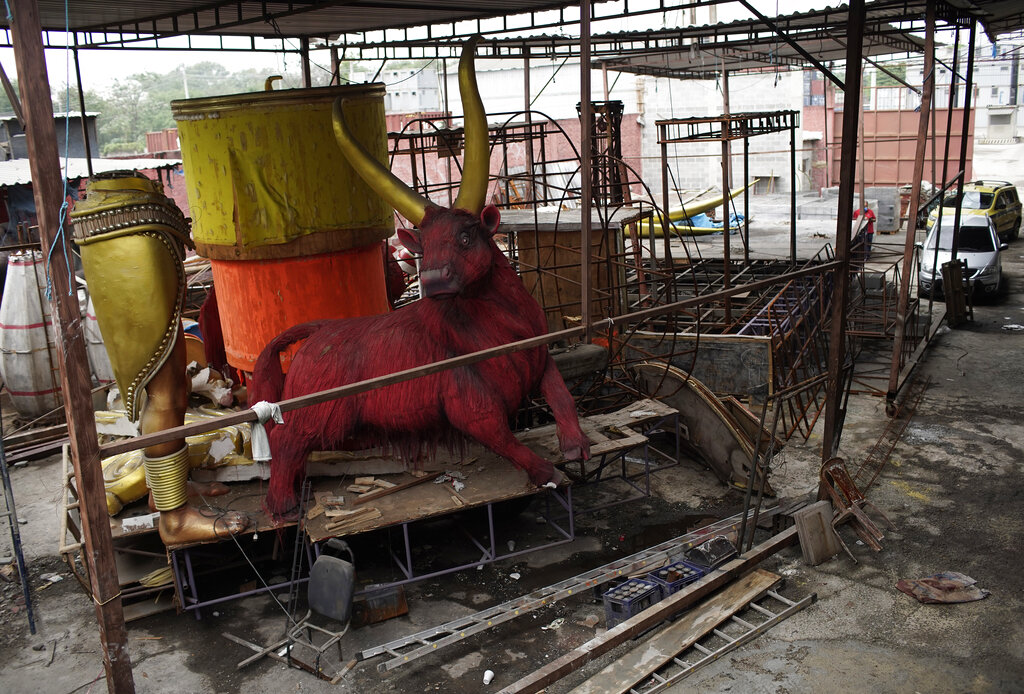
[[973, 200], [972, 239]]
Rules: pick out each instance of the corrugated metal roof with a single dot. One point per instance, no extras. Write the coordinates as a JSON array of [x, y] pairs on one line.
[[704, 51], [16, 171], [271, 18]]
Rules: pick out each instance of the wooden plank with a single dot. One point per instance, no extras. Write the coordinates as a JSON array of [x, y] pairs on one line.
[[644, 660], [818, 541], [650, 617], [370, 496], [76, 382]]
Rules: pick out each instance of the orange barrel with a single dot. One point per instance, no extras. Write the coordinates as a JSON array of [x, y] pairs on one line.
[[27, 350], [292, 232]]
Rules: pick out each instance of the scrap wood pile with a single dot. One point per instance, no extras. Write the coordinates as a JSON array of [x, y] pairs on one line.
[[699, 573], [709, 601]]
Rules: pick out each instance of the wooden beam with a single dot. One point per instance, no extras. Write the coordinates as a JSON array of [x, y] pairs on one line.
[[653, 653], [370, 496], [651, 617], [48, 190]]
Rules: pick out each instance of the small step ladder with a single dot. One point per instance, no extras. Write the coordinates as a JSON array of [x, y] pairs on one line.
[[756, 619]]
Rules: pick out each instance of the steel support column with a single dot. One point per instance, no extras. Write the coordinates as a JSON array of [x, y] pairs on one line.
[[726, 189], [792, 193], [965, 128], [928, 89], [586, 168], [835, 407], [746, 200]]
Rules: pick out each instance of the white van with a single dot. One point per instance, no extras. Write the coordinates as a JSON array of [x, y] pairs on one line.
[[978, 245]]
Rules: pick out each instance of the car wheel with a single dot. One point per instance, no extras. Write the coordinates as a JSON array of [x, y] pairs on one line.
[[1016, 231]]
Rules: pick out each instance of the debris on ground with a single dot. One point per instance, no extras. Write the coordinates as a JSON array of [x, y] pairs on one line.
[[945, 587]]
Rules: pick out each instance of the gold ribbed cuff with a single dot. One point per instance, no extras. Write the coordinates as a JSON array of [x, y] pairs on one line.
[[167, 478]]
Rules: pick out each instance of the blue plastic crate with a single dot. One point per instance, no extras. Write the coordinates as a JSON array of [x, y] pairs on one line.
[[671, 578], [627, 599]]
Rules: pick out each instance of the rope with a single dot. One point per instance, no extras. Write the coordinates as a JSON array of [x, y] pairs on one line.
[[62, 215]]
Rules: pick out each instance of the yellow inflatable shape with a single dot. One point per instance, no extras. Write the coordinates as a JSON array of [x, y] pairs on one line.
[[124, 477]]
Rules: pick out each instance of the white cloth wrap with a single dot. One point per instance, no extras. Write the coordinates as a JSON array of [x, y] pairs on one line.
[[260, 443]]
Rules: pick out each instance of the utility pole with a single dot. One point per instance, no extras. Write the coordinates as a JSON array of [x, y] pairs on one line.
[[47, 188]]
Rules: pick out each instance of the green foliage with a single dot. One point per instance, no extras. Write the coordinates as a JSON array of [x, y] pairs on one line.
[[141, 103], [898, 69]]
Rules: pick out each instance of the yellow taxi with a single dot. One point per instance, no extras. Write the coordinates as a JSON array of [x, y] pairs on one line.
[[996, 200]]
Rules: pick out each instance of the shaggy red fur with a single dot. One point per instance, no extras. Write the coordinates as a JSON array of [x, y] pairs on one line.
[[473, 300]]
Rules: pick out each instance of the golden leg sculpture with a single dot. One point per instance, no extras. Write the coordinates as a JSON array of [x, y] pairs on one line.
[[131, 239], [167, 463]]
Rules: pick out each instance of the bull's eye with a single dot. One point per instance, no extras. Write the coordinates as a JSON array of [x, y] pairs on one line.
[[464, 238]]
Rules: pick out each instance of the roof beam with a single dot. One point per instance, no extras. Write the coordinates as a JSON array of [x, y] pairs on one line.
[[796, 46]]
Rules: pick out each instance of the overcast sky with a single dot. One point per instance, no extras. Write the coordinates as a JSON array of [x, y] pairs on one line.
[[101, 67]]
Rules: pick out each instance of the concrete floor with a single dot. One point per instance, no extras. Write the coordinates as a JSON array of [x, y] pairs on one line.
[[952, 488]]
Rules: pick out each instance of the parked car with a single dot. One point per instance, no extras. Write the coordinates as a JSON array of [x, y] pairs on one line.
[[978, 245], [997, 200]]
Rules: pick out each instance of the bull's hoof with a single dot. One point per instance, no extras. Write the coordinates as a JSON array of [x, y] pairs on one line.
[[575, 447], [553, 482]]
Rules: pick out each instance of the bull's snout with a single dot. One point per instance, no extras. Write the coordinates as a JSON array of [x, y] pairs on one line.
[[438, 282]]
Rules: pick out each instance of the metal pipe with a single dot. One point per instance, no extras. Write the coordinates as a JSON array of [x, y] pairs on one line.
[[85, 123], [792, 191], [746, 200], [726, 188], [409, 374], [586, 170], [964, 130], [834, 411], [927, 92]]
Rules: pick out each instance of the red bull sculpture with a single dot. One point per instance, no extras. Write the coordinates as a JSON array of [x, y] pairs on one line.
[[472, 299]]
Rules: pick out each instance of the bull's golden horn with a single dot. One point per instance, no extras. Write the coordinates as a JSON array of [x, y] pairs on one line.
[[477, 152], [408, 202]]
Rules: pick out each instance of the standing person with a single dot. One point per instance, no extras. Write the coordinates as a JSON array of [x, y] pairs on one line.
[[869, 229]]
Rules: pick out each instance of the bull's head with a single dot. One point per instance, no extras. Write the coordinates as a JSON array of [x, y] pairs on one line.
[[456, 244]]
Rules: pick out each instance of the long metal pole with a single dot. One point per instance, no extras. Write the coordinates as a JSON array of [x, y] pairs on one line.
[[586, 168], [726, 189], [834, 408], [85, 123], [792, 191], [47, 188], [746, 200], [528, 185], [307, 75], [965, 128], [907, 269]]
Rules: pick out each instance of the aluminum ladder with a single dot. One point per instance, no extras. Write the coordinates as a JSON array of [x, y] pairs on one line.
[[757, 618], [409, 648]]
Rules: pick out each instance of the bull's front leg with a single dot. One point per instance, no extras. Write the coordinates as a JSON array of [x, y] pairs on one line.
[[489, 425], [573, 442]]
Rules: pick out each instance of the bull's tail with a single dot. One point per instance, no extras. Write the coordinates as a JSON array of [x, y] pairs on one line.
[[267, 377]]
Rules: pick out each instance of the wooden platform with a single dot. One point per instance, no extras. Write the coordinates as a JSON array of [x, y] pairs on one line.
[[487, 478]]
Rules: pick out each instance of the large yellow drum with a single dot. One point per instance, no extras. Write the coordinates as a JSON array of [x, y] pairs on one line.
[[271, 196]]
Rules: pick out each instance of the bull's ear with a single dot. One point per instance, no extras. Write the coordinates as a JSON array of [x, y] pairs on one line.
[[411, 240], [489, 219]]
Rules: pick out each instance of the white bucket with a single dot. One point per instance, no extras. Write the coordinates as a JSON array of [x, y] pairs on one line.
[[28, 356]]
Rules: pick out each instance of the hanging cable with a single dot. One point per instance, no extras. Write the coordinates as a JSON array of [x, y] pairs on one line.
[[62, 216]]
